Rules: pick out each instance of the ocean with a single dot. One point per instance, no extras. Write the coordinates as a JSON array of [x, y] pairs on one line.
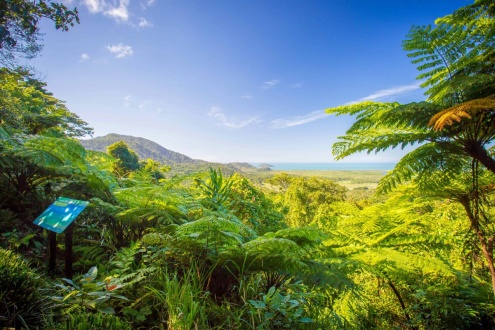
[[337, 166]]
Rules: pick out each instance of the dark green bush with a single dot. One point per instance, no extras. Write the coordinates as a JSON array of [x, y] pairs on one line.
[[22, 304]]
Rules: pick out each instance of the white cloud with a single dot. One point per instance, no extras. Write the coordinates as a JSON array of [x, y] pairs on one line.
[[144, 104], [143, 23], [120, 50], [116, 9], [127, 100], [246, 96], [270, 84], [120, 12], [85, 57], [389, 92], [94, 6], [316, 115], [218, 114], [298, 120], [297, 85]]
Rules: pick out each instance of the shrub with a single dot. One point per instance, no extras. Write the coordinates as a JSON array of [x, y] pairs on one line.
[[97, 321], [21, 302]]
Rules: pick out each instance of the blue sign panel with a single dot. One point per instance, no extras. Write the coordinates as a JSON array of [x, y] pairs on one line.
[[58, 216]]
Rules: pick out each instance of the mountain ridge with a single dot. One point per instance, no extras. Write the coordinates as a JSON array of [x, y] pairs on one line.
[[149, 149]]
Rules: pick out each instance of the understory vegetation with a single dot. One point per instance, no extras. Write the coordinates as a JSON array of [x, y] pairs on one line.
[[214, 251]]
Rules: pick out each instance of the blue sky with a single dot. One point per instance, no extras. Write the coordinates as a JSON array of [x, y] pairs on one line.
[[228, 80]]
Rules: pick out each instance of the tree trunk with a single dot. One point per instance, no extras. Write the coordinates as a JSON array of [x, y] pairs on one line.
[[401, 302], [488, 256], [486, 246], [478, 152]]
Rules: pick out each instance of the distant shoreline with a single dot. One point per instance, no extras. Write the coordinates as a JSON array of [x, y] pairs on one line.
[[330, 166]]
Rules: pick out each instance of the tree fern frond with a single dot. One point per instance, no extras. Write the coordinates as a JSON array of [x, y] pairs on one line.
[[391, 232], [463, 110], [67, 151], [421, 164], [213, 223], [421, 240], [304, 237], [274, 254], [389, 260], [381, 126], [41, 157], [142, 214]]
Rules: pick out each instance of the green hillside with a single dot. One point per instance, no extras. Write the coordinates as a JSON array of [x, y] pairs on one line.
[[179, 163], [143, 147]]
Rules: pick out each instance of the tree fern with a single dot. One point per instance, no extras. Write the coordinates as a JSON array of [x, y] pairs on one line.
[[464, 110], [380, 126]]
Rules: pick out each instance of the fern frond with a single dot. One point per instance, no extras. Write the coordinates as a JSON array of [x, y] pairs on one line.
[[386, 260], [421, 164], [464, 110], [52, 152], [303, 237], [278, 254], [381, 126]]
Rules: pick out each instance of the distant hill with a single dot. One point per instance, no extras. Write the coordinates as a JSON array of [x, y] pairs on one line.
[[143, 147], [243, 166], [148, 149]]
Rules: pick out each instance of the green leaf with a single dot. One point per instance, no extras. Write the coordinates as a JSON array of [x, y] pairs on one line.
[[106, 309]]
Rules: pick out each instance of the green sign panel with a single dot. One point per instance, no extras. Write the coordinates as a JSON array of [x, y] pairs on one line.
[[58, 216]]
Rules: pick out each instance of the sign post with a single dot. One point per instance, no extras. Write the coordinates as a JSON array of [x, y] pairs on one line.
[[56, 218]]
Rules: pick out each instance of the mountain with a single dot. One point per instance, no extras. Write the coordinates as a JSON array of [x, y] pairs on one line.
[[143, 147], [148, 149]]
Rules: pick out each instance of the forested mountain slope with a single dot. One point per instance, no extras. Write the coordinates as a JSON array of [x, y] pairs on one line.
[[149, 149], [143, 147]]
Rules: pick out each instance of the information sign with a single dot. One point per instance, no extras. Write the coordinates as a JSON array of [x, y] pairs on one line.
[[58, 216]]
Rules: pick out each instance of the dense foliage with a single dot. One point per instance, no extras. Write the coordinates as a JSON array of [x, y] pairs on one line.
[[454, 128], [19, 30], [216, 250]]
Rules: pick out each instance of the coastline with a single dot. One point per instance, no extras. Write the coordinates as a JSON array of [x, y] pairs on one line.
[[335, 166]]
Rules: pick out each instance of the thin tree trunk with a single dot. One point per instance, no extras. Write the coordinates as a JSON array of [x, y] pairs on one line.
[[401, 302], [488, 256], [486, 247]]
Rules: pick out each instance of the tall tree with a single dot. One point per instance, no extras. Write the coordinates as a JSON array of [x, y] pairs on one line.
[[19, 29], [27, 107], [454, 128], [127, 159]]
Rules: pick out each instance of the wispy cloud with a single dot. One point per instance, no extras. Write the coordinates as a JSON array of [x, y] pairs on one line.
[[388, 93], [120, 50], [316, 115], [246, 96], [298, 120], [270, 84], [143, 23], [144, 104], [127, 100], [147, 3], [297, 85], [218, 114], [84, 57]]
